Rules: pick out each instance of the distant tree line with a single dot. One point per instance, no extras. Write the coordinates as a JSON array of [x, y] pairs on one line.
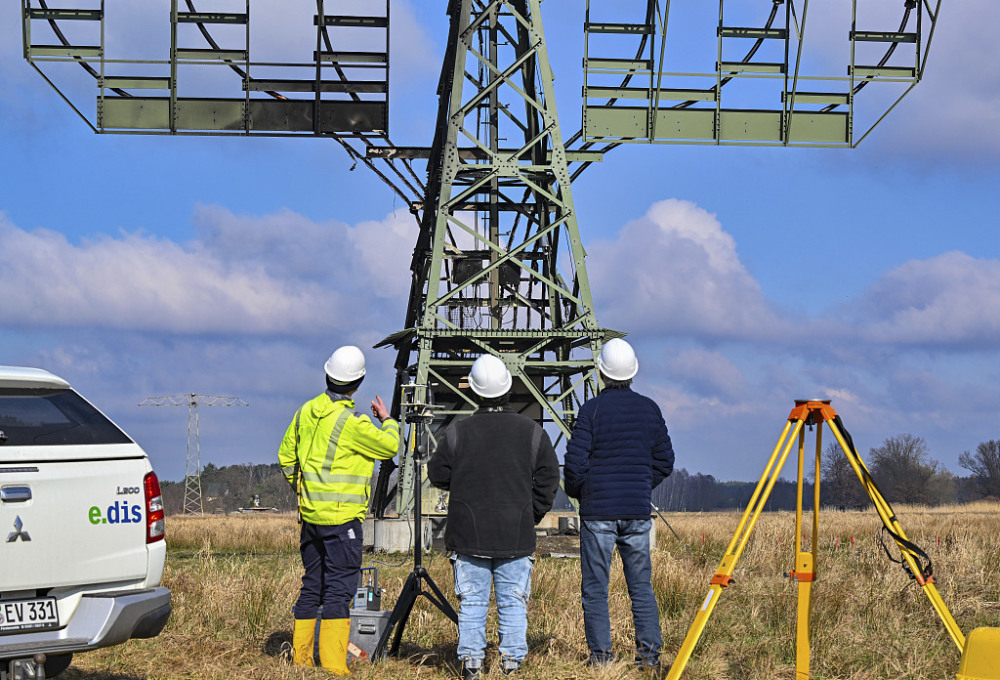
[[683, 491], [228, 488], [901, 467]]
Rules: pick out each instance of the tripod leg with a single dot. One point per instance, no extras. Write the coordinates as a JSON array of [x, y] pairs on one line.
[[890, 521], [397, 620], [401, 612], [804, 575], [439, 600], [723, 575], [803, 572]]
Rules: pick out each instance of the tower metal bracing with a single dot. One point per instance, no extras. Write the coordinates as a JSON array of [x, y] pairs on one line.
[[192, 469], [499, 266]]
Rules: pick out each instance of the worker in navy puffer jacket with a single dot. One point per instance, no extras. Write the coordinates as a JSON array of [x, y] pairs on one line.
[[619, 451]]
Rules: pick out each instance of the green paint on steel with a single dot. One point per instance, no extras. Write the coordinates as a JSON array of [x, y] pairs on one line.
[[756, 92], [269, 107], [491, 279]]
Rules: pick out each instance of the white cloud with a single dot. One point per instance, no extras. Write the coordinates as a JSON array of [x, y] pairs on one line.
[[684, 410], [276, 274], [371, 258], [676, 271], [952, 300], [138, 282], [384, 254], [705, 372]]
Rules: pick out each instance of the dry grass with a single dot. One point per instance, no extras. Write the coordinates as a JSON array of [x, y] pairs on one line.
[[234, 580]]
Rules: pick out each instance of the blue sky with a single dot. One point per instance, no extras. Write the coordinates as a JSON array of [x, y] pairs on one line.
[[138, 266]]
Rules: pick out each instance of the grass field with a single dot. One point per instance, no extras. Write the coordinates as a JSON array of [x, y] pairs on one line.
[[234, 580]]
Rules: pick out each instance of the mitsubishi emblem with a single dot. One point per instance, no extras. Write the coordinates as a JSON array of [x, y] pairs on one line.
[[18, 533]]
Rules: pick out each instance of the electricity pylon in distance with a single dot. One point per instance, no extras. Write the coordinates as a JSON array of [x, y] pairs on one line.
[[192, 470]]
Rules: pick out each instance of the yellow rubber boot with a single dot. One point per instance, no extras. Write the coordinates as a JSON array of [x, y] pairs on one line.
[[303, 638], [333, 638]]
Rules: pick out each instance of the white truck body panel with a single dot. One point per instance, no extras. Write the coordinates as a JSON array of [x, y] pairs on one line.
[[74, 516], [89, 511]]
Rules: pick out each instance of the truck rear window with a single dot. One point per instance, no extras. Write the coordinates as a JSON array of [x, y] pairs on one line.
[[46, 417]]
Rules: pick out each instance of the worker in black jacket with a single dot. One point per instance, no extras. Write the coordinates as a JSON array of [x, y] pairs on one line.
[[501, 473]]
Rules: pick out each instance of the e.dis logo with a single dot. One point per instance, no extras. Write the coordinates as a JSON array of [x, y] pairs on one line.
[[117, 513]]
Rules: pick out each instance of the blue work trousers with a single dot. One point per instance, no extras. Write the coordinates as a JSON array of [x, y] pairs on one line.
[[511, 581], [331, 556], [598, 539]]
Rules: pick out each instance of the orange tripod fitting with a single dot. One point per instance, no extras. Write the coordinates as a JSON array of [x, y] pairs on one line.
[[809, 413]]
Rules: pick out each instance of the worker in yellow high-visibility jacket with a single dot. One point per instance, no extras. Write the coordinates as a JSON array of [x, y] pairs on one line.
[[328, 455]]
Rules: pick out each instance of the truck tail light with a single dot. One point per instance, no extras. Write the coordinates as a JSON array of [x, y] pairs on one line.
[[155, 530]]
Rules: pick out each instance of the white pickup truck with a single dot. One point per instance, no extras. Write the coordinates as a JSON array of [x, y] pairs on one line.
[[81, 529]]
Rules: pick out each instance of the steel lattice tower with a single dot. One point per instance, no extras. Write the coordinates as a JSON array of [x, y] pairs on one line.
[[499, 264], [192, 469]]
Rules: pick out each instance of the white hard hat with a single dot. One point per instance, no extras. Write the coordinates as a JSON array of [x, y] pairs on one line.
[[617, 360], [489, 377], [346, 365]]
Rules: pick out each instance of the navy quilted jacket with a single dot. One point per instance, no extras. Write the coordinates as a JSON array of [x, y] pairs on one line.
[[619, 452]]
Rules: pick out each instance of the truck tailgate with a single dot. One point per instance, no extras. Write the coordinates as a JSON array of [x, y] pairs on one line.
[[66, 522]]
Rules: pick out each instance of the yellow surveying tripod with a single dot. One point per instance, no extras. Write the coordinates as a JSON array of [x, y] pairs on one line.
[[810, 413]]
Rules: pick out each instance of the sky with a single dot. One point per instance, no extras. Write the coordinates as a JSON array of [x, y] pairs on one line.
[[138, 266]]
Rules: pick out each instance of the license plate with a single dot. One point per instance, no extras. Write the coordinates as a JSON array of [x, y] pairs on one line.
[[39, 613]]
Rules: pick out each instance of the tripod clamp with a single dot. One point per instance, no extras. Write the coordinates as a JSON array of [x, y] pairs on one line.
[[420, 415]]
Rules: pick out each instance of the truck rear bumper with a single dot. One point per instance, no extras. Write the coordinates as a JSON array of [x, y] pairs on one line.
[[100, 620]]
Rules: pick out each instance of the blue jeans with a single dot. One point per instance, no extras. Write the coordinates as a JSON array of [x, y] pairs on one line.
[[598, 539], [511, 580], [331, 556]]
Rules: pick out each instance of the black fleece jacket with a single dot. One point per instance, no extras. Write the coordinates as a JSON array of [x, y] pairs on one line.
[[501, 473]]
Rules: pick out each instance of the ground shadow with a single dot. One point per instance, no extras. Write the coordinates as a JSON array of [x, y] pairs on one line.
[[441, 657], [77, 674], [279, 644]]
